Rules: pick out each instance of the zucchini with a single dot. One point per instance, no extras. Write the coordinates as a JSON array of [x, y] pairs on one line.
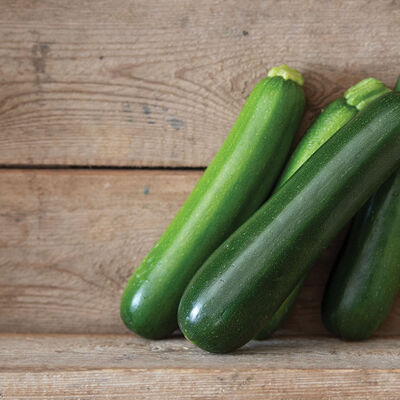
[[243, 283], [234, 185], [364, 284], [335, 115]]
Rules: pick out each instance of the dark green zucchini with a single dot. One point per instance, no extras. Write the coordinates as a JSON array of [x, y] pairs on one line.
[[234, 185], [243, 283], [335, 116], [366, 280]]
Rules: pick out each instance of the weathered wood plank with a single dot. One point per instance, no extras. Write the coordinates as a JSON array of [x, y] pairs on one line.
[[69, 240], [160, 83], [273, 384], [123, 366], [38, 352]]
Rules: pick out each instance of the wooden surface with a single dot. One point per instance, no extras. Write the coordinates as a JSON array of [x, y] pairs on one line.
[[121, 366], [134, 84], [160, 83], [74, 237]]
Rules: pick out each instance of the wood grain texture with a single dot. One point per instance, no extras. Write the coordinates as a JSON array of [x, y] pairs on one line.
[[39, 352], [69, 240], [122, 366], [273, 384], [160, 83], [135, 83]]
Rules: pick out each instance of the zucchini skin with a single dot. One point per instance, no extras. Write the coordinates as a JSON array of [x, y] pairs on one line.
[[280, 316], [234, 185], [366, 280], [248, 277], [335, 116]]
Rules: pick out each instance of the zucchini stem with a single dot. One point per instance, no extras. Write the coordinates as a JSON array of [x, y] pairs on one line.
[[364, 92], [286, 73]]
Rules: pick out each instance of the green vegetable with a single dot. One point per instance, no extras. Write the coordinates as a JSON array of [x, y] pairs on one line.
[[335, 115], [366, 280], [234, 185], [244, 282]]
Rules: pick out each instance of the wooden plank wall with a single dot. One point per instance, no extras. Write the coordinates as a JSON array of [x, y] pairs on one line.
[[159, 83], [134, 84], [71, 238]]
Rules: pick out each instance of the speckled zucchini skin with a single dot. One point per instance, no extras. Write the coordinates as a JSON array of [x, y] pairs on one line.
[[336, 115], [363, 286], [366, 280], [234, 185], [248, 277], [331, 119]]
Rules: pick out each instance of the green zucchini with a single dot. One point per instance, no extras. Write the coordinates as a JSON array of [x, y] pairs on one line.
[[335, 115], [243, 283], [234, 185], [362, 287]]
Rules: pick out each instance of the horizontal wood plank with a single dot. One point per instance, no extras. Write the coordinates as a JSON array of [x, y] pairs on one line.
[[69, 240], [273, 384], [123, 366], [38, 352], [160, 83]]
